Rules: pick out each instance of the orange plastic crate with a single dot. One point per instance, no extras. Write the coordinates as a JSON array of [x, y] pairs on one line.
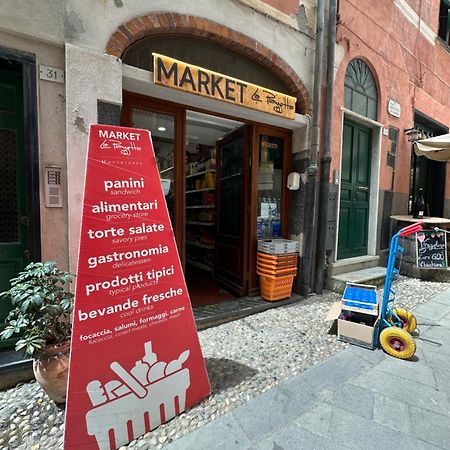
[[267, 271], [277, 262], [277, 259], [276, 288]]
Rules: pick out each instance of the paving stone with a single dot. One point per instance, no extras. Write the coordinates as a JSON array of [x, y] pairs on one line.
[[354, 399], [271, 410], [405, 390], [223, 435], [334, 371], [430, 427], [411, 370], [294, 437], [432, 311], [391, 413], [317, 419], [359, 433]]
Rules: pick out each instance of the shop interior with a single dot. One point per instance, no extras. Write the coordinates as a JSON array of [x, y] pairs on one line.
[[215, 187], [202, 133]]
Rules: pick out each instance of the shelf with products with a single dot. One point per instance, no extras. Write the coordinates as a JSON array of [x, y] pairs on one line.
[[202, 266], [166, 170], [200, 208], [231, 176], [199, 222], [194, 191], [204, 172], [201, 245]]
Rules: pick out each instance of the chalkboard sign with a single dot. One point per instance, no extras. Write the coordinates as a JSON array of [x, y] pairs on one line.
[[431, 250]]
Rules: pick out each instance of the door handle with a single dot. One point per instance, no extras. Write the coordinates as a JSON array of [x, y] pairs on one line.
[[363, 188], [24, 220]]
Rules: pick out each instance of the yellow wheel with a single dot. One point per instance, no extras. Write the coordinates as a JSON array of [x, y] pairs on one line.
[[408, 319], [397, 342]]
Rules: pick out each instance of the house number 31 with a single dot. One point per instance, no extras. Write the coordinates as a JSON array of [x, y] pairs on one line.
[[51, 74]]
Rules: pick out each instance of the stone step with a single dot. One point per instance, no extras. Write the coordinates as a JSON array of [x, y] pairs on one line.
[[373, 276], [14, 368], [353, 264]]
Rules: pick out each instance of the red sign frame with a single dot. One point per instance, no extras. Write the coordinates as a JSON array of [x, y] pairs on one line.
[[135, 356]]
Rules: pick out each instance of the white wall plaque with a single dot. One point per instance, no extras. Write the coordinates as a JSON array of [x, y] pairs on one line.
[[394, 108], [51, 74]]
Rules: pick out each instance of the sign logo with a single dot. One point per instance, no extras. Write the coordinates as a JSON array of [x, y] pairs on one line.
[[135, 360], [186, 77]]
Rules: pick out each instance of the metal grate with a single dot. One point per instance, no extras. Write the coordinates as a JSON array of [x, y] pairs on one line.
[[9, 217]]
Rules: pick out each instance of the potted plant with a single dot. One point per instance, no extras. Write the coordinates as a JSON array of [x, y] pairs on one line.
[[40, 317]]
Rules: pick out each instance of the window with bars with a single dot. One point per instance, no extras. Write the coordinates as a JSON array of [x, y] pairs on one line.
[[444, 21]]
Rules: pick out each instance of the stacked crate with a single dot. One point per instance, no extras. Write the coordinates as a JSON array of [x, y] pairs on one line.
[[276, 265]]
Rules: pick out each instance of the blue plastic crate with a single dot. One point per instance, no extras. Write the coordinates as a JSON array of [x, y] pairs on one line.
[[360, 297]]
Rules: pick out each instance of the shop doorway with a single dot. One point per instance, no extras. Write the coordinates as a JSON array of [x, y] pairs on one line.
[[222, 177]]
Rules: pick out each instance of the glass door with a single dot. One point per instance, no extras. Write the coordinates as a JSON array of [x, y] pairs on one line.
[[166, 125], [232, 211], [270, 211]]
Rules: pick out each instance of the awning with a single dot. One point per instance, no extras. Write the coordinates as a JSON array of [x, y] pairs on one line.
[[437, 148]]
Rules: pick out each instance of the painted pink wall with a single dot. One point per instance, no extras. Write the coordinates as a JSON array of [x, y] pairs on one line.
[[407, 67], [286, 6]]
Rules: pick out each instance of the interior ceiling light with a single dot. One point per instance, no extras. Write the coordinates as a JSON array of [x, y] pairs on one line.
[[162, 129]]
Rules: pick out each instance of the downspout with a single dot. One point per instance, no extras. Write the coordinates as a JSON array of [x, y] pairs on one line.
[[325, 161], [310, 213]]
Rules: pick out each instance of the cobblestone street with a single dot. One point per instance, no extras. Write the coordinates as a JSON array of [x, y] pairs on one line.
[[244, 358]]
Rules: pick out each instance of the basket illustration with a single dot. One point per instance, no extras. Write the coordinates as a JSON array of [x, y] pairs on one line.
[[151, 393]]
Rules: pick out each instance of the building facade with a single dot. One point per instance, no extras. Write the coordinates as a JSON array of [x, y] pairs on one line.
[[66, 65], [391, 80]]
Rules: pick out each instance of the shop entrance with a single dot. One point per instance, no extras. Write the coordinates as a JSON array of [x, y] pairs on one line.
[[223, 181]]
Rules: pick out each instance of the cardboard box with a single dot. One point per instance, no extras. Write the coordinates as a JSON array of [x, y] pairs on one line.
[[358, 329]]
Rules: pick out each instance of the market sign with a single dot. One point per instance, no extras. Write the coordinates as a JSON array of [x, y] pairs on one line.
[[135, 357], [186, 77]]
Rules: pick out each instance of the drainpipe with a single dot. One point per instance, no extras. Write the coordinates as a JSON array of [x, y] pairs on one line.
[[326, 155], [310, 213]]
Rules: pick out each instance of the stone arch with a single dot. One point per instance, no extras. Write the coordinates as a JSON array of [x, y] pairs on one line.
[[173, 23]]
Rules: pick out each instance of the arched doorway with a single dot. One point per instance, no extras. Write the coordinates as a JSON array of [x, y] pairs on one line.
[[224, 173], [361, 97]]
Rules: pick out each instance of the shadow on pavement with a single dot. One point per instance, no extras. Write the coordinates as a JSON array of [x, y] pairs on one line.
[[224, 373]]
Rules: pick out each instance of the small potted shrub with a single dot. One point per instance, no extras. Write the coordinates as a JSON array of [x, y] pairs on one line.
[[40, 317]]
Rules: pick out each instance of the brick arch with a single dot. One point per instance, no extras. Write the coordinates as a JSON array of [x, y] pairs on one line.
[[173, 23]]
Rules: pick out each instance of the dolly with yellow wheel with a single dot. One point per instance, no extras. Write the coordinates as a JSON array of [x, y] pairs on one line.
[[397, 342], [392, 331], [408, 319]]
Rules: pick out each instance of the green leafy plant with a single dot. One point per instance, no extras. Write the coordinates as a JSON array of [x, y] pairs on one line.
[[42, 307]]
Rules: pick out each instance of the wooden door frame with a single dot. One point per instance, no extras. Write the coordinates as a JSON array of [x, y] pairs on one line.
[[255, 129], [285, 195], [246, 132], [27, 61], [132, 100]]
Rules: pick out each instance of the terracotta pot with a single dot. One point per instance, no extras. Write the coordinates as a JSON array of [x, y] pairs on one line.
[[51, 370]]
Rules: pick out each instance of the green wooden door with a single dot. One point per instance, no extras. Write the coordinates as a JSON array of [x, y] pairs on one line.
[[355, 191], [13, 200]]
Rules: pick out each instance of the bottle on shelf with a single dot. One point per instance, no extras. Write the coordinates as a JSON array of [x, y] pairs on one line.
[[259, 227], [419, 206]]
